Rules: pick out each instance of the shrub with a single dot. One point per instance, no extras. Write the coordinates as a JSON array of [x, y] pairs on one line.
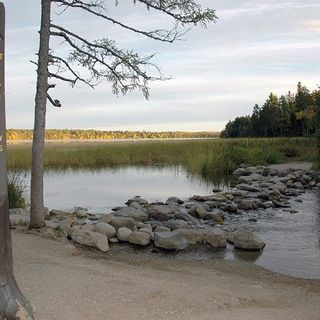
[[16, 192]]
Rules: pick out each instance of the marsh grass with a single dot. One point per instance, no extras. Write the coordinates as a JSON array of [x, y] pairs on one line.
[[211, 159], [16, 191]]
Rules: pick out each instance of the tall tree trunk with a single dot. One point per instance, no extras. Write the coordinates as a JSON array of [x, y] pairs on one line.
[[37, 203], [13, 305]]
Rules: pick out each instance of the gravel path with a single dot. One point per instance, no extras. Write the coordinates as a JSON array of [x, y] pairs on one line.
[[65, 283]]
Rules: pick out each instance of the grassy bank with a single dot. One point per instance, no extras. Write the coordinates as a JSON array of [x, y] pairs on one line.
[[208, 158]]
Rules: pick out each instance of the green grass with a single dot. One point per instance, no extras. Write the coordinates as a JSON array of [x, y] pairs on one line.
[[16, 191], [211, 159]]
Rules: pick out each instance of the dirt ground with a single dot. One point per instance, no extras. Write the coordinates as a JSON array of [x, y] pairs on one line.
[[65, 283]]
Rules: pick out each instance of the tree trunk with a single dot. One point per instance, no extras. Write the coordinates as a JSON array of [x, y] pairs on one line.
[[13, 305], [37, 202]]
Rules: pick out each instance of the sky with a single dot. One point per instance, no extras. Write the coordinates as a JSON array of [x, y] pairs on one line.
[[217, 73]]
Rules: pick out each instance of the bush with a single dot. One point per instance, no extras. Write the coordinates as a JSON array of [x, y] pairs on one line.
[[16, 192]]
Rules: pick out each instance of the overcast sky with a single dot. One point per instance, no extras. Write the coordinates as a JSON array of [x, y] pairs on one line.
[[217, 74]]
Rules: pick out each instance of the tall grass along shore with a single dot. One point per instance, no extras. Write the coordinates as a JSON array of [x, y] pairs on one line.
[[208, 158]]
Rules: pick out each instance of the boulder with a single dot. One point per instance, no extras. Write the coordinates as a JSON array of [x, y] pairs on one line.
[[140, 238], [199, 211], [217, 238], [190, 235], [137, 199], [239, 172], [148, 231], [246, 187], [123, 234], [186, 217], [170, 241], [118, 222], [246, 240], [91, 239], [136, 214], [174, 200], [137, 206], [56, 224], [17, 220], [106, 229], [162, 212], [162, 229], [176, 224]]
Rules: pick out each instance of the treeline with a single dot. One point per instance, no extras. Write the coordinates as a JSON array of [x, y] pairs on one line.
[[290, 115], [70, 134]]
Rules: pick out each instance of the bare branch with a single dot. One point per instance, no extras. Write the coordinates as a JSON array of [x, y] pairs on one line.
[[160, 34], [54, 75], [55, 103]]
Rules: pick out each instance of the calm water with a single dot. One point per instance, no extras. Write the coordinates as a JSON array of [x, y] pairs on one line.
[[292, 240]]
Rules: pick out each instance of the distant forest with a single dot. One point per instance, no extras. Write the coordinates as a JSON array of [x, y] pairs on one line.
[[70, 134], [290, 115]]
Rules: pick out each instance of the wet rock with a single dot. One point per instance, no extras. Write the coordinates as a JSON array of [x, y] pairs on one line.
[[279, 204], [174, 200], [199, 198], [217, 238], [231, 207], [133, 213], [123, 234], [139, 238], [118, 222], [92, 239], [298, 185], [170, 241], [175, 224], [248, 204], [246, 240], [106, 229], [191, 236]]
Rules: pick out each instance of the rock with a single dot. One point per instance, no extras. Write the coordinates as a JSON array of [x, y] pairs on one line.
[[81, 214], [218, 217], [162, 229], [92, 239], [246, 187], [56, 224], [231, 207], [248, 204], [239, 172], [186, 217], [123, 234], [137, 199], [117, 208], [137, 206], [245, 179], [106, 218], [148, 231], [154, 224], [217, 238], [199, 211], [216, 190], [162, 212], [298, 185], [19, 211], [140, 238], [106, 229], [133, 213], [140, 224], [246, 240], [113, 240], [170, 241], [118, 222], [18, 220], [176, 224], [251, 170], [272, 172], [191, 236], [60, 213], [199, 198], [174, 200], [279, 204], [281, 187]]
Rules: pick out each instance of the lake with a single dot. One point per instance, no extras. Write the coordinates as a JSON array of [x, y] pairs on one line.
[[292, 240]]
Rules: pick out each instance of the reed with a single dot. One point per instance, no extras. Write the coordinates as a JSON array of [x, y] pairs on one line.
[[209, 158]]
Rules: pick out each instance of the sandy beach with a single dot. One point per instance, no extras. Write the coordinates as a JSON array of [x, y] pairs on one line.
[[64, 282]]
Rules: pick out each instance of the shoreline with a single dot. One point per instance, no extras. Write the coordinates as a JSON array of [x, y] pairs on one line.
[[66, 282]]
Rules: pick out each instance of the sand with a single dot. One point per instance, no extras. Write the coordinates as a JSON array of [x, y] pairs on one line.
[[64, 282]]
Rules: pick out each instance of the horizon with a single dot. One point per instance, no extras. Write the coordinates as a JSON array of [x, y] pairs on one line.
[[218, 73]]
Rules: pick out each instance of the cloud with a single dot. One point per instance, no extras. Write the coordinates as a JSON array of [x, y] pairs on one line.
[[312, 26]]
